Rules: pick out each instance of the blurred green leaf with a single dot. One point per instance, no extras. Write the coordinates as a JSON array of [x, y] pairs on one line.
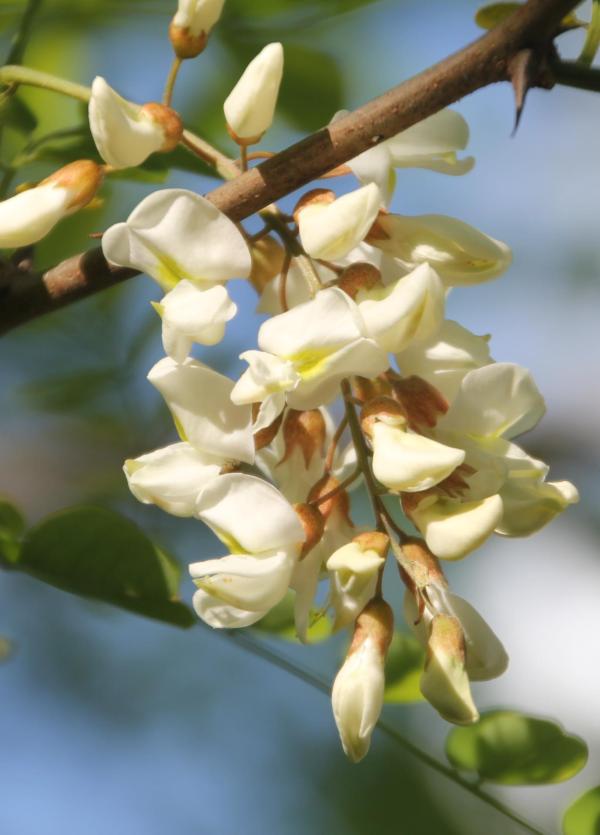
[[403, 669], [487, 17], [279, 622], [97, 553], [12, 528], [516, 750], [592, 39], [583, 816]]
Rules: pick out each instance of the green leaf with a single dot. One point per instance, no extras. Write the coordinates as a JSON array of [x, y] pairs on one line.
[[516, 750], [490, 16], [12, 527], [279, 622], [583, 816], [97, 553], [14, 113], [403, 669]]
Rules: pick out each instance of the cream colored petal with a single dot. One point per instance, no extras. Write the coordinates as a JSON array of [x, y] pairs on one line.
[[530, 504], [452, 529], [407, 462], [222, 615], [27, 217], [200, 402], [250, 106]]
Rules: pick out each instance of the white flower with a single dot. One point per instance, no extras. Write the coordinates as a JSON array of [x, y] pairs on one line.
[[330, 230], [198, 16], [126, 134], [27, 217], [499, 488], [432, 143], [172, 478], [250, 106], [357, 694], [190, 315], [459, 253], [200, 402], [406, 461], [264, 536], [307, 351], [409, 310], [353, 571], [445, 682], [485, 656], [175, 234], [445, 358]]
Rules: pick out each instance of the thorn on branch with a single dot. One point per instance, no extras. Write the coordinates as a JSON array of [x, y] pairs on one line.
[[528, 68]]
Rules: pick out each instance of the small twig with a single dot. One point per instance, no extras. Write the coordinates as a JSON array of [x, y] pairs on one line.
[[283, 282], [356, 474]]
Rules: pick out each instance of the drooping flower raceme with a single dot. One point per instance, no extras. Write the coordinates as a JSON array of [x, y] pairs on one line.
[[425, 421]]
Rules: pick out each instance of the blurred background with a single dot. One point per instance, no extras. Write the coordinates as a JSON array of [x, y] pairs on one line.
[[111, 723]]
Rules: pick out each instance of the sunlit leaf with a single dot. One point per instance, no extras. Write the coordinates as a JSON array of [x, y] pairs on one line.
[[403, 669], [516, 750], [12, 528], [279, 622], [97, 553], [583, 816]]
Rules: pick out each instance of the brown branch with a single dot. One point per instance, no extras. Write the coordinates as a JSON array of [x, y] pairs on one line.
[[485, 61]]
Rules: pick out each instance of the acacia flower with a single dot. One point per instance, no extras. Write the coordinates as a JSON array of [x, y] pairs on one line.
[[264, 536], [174, 234], [192, 24], [126, 134], [28, 216], [250, 106], [432, 143]]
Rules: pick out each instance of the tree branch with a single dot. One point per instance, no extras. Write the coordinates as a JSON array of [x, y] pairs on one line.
[[483, 62]]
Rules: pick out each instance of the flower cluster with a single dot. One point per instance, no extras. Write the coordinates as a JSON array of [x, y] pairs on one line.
[[357, 379]]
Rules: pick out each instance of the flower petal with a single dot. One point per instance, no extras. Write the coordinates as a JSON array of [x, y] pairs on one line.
[[249, 514], [452, 529], [200, 401], [174, 234]]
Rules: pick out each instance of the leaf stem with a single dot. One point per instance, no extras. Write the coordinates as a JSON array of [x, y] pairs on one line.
[[14, 74]]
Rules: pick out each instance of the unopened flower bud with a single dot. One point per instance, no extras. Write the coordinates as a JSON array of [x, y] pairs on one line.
[[268, 257], [28, 217], [423, 404], [359, 276], [445, 683], [250, 106], [357, 694], [192, 24], [331, 230], [126, 133], [313, 524], [305, 431]]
